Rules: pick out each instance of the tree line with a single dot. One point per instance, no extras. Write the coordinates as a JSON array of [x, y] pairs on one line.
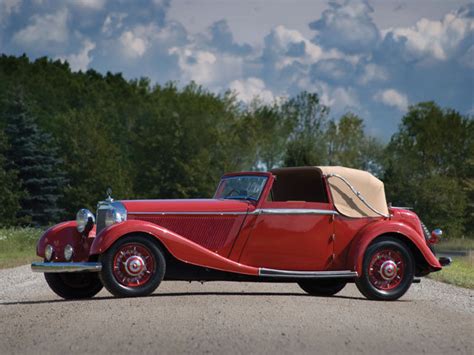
[[65, 137]]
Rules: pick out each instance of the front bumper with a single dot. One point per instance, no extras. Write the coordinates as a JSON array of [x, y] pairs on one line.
[[66, 267]]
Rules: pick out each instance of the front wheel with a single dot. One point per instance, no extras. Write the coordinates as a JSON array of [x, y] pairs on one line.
[[322, 287], [133, 266], [74, 285], [388, 270]]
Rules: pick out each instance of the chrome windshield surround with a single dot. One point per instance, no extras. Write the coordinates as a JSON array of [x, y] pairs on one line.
[[306, 274], [66, 267], [258, 211], [358, 194]]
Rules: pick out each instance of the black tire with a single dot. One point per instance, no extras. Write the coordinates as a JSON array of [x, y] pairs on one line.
[[367, 284], [120, 288], [74, 285], [323, 287]]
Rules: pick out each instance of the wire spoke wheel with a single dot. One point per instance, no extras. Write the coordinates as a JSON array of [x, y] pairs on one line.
[[387, 271], [134, 265]]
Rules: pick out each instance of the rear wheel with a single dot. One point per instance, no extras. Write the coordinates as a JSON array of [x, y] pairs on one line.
[[132, 267], [74, 285], [324, 287], [388, 270]]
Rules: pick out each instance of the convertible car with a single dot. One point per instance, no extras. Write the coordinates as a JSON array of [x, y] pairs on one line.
[[319, 227]]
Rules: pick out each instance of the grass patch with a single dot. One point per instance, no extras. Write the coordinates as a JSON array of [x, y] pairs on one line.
[[18, 246], [459, 273], [455, 244]]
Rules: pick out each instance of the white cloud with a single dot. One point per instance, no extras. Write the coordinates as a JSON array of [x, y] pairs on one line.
[[89, 4], [139, 40], [206, 67], [286, 46], [251, 88], [133, 45], [393, 98], [7, 7], [113, 22], [372, 72], [346, 25], [435, 39], [81, 60], [44, 30]]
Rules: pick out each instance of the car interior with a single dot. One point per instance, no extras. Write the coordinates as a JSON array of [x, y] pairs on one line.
[[298, 184]]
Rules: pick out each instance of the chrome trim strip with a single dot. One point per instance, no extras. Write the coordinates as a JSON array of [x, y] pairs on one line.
[[358, 194], [306, 274], [187, 213], [276, 211], [66, 267], [293, 211]]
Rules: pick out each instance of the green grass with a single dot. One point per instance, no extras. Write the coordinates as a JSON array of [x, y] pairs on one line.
[[459, 273], [18, 246], [455, 244]]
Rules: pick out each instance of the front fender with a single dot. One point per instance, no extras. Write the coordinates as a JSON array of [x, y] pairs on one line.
[[374, 230], [181, 248], [62, 234]]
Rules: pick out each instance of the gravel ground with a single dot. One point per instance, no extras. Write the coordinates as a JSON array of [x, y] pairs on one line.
[[224, 317]]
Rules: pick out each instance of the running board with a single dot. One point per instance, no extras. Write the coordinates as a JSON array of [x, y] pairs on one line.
[[306, 274]]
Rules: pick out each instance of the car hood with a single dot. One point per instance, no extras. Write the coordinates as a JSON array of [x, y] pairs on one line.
[[186, 205]]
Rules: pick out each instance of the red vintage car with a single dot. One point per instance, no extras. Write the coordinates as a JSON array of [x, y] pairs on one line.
[[320, 227]]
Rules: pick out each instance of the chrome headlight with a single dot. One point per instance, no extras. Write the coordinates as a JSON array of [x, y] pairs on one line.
[[48, 252], [84, 219], [68, 251]]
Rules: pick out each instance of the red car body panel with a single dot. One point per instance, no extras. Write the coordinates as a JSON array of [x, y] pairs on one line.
[[185, 205], [181, 248], [290, 242], [63, 234]]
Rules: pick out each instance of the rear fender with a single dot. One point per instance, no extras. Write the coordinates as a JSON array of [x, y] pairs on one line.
[[367, 235], [181, 248]]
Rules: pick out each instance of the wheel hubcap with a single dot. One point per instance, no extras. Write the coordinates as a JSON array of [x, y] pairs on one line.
[[386, 269], [134, 265]]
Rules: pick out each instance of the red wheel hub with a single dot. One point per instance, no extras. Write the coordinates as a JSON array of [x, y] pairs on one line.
[[134, 265], [386, 269]]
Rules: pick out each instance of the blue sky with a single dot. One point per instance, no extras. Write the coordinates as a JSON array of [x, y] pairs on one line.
[[373, 58]]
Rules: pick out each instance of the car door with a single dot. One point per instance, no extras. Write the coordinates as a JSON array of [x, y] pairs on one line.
[[291, 235]]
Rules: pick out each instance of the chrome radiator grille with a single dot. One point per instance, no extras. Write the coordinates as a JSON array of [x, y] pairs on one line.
[[100, 220]]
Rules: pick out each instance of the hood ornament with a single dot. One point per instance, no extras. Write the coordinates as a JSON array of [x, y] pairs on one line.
[[108, 192]]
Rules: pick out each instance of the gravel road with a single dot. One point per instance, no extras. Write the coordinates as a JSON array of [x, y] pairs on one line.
[[224, 317]]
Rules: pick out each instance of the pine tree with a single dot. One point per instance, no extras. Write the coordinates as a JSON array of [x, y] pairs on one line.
[[9, 188], [33, 155]]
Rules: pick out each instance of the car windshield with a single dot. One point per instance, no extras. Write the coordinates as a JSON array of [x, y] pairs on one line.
[[245, 187]]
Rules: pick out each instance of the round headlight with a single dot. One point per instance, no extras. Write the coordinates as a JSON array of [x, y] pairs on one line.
[[48, 252], [84, 219], [68, 251]]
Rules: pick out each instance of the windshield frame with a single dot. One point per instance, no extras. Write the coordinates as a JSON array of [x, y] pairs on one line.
[[264, 176]]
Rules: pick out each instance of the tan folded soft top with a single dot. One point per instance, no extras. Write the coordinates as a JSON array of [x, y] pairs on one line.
[[355, 193], [347, 202]]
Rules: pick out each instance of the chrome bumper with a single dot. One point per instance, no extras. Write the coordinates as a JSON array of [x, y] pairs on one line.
[[66, 267]]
